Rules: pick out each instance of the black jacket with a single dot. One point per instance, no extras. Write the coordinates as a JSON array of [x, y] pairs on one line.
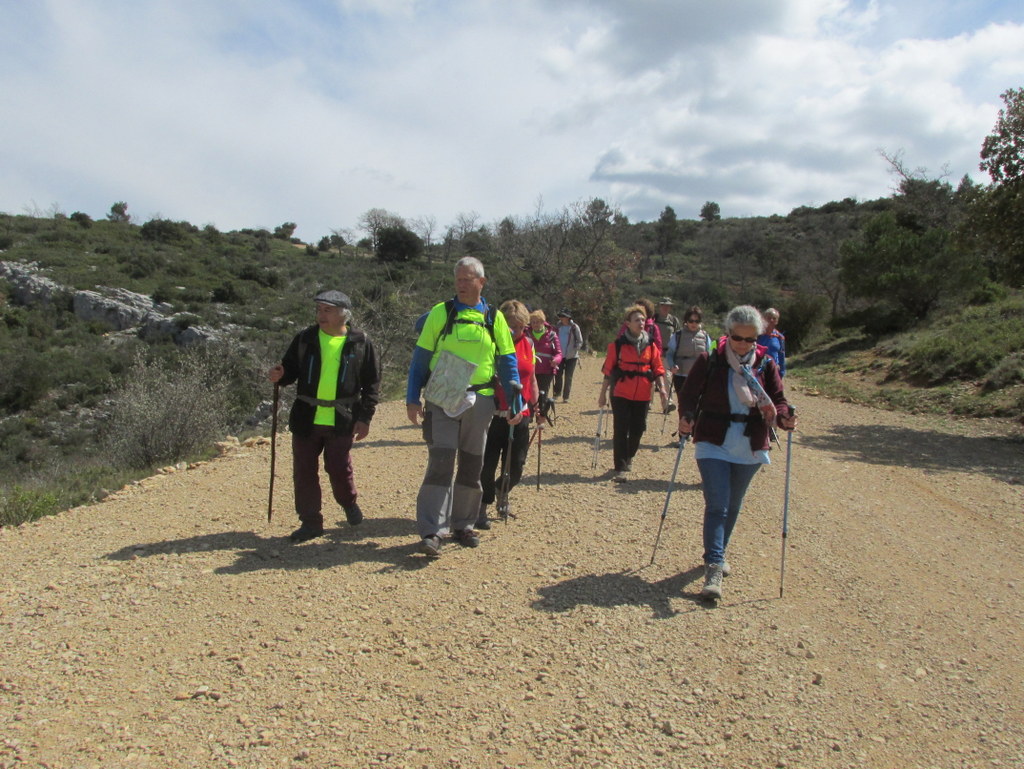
[[358, 379]]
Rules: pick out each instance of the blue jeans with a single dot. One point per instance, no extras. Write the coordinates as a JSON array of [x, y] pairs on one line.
[[725, 484]]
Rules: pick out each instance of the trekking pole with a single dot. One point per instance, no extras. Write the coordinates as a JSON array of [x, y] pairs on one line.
[[785, 505], [597, 439], [273, 449], [539, 438], [671, 486], [506, 477]]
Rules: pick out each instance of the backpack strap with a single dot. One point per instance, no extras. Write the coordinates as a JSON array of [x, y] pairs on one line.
[[618, 373], [451, 319]]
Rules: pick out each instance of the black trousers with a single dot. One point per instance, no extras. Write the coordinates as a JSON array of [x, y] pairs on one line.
[[497, 445], [544, 383], [563, 379], [629, 422]]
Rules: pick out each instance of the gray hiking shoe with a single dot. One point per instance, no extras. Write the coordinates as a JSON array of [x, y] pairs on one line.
[[482, 521], [466, 537], [726, 569], [712, 581], [431, 546]]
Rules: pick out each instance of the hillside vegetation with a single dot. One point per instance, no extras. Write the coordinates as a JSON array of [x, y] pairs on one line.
[[912, 301]]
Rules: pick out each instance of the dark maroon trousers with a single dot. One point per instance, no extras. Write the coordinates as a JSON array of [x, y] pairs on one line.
[[306, 452]]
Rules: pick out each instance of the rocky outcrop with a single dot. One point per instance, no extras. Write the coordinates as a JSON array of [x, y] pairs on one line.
[[114, 307], [30, 288], [117, 308]]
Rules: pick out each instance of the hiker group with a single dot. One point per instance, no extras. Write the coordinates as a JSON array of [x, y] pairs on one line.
[[481, 376]]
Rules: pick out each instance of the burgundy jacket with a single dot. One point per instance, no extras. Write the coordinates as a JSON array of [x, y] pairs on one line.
[[713, 419]]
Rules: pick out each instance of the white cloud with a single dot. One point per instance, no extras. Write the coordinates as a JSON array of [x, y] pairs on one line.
[[253, 114]]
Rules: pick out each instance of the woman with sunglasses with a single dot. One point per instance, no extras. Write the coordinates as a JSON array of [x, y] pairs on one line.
[[685, 345], [730, 416]]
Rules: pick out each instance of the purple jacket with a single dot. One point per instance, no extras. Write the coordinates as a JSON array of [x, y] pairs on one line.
[[548, 349], [713, 420]]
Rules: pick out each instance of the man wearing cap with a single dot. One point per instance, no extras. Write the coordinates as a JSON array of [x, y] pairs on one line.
[[571, 339], [668, 324], [337, 376]]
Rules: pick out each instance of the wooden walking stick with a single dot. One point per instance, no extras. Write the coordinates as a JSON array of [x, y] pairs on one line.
[[273, 449]]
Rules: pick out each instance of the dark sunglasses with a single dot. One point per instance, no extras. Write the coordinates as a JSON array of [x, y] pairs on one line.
[[693, 320], [747, 339]]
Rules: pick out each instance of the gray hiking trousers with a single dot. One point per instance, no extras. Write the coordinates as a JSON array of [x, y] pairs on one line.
[[449, 500]]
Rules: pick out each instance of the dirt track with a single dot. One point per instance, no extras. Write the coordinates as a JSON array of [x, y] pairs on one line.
[[171, 626]]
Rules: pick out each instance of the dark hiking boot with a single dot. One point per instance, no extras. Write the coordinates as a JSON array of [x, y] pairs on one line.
[[305, 533], [466, 537], [431, 546], [353, 514], [482, 521], [712, 582], [620, 476]]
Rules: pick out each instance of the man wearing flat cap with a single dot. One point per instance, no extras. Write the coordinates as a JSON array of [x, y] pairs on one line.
[[337, 376]]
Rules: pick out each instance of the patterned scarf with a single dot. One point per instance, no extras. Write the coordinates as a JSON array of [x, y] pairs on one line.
[[748, 389]]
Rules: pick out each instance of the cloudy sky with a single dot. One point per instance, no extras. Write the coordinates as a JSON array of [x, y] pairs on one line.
[[250, 114]]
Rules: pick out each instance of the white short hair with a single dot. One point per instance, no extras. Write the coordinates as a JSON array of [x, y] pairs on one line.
[[472, 263], [744, 315]]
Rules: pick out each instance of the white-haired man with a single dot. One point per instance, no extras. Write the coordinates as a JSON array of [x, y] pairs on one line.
[[464, 347]]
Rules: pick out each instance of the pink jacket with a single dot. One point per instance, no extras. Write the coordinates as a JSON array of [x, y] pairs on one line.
[[548, 348]]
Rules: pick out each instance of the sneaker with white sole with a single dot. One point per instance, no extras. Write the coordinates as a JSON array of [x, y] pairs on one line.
[[712, 581]]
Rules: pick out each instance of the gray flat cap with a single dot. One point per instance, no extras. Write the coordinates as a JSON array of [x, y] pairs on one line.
[[335, 298]]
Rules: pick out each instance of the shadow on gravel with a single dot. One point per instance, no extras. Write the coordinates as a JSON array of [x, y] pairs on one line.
[[999, 458], [624, 588], [340, 546]]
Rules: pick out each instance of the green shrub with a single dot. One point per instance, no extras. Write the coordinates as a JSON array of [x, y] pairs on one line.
[[969, 344], [25, 377], [20, 505], [165, 411], [1008, 371]]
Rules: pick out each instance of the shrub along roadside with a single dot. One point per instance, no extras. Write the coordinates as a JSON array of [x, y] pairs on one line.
[[968, 363]]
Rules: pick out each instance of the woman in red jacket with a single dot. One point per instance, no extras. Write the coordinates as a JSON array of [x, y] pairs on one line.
[[631, 367], [729, 401], [518, 318]]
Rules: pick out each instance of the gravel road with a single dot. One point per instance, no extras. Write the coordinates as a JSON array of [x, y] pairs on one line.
[[171, 626]]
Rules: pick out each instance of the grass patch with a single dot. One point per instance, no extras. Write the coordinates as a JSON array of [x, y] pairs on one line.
[[20, 505]]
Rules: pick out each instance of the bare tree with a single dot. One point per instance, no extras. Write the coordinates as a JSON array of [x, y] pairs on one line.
[[425, 227], [376, 219], [567, 258]]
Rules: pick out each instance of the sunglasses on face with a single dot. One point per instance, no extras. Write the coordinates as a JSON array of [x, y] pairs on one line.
[[747, 339], [693, 320]]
